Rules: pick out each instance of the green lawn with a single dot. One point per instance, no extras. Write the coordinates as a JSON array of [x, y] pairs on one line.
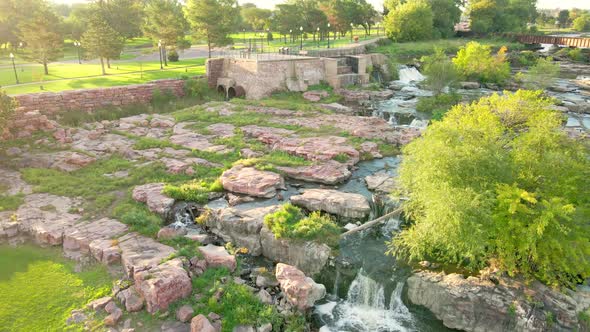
[[40, 288], [120, 74]]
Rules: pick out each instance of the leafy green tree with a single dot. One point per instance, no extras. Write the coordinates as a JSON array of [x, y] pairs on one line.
[[475, 61], [42, 33], [124, 16], [498, 182], [285, 19], [446, 13], [213, 20], [410, 21], [256, 18], [7, 108], [582, 23], [501, 15], [101, 40], [563, 18], [440, 71], [165, 22], [541, 75]]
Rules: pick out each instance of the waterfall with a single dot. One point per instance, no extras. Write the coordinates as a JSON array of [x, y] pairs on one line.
[[365, 309], [408, 75]]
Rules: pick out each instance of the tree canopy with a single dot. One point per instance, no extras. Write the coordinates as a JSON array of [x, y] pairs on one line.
[[165, 21], [213, 20], [501, 15], [499, 182], [410, 21]]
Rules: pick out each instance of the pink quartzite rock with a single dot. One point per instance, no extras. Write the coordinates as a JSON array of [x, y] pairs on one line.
[[200, 323], [131, 299], [151, 194], [185, 313], [330, 172], [347, 205], [217, 256], [315, 96], [106, 251], [163, 284], [319, 148], [252, 182], [301, 291], [140, 253], [77, 240], [71, 161]]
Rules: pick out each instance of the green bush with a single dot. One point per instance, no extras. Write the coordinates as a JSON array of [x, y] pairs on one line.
[[438, 105], [409, 21], [173, 56], [475, 61], [498, 182], [524, 58], [7, 108], [138, 218], [194, 191], [542, 75], [582, 23], [290, 222], [160, 97], [440, 71]]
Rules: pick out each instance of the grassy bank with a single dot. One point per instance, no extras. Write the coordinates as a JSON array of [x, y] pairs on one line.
[[40, 288]]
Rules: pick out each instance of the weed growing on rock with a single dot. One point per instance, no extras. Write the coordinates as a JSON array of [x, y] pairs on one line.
[[138, 218], [11, 202]]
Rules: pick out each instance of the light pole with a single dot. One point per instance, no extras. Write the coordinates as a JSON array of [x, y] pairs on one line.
[[77, 44], [301, 38], [291, 35], [328, 35], [351, 31], [268, 36], [160, 51], [14, 67], [244, 34], [318, 39]]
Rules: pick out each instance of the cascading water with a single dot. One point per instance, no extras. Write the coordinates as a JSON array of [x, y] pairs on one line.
[[408, 75]]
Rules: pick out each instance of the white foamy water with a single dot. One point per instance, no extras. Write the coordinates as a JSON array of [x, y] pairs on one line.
[[365, 309], [410, 74]]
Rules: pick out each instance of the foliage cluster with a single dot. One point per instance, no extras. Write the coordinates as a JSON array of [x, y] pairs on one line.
[[7, 108], [476, 62], [410, 21], [499, 181], [290, 222], [438, 105], [501, 15], [582, 23], [193, 191], [541, 75], [440, 71]]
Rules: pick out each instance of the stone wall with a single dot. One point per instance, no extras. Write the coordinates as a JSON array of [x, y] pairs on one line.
[[49, 103]]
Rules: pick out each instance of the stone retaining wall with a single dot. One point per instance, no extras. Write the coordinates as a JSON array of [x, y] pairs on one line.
[[49, 103]]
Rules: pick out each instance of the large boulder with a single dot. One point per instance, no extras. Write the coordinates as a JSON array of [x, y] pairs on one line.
[[346, 205], [330, 172], [311, 257], [217, 256], [241, 227], [200, 323], [163, 284], [381, 181], [77, 240], [301, 291], [252, 182], [478, 304], [322, 148], [151, 194], [139, 253]]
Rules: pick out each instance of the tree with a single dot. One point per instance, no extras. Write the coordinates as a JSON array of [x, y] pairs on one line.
[[165, 22], [440, 71], [582, 23], [285, 18], [499, 182], [7, 108], [42, 33], [410, 21], [124, 16], [101, 40], [475, 61], [563, 18], [256, 18], [446, 13], [541, 75], [213, 20], [501, 15]]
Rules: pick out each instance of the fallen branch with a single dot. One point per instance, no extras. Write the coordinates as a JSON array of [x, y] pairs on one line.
[[372, 223]]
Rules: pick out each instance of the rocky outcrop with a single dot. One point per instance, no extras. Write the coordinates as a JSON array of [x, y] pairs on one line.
[[217, 256], [200, 323], [163, 284], [330, 172], [381, 181], [151, 194], [241, 227], [301, 291], [252, 182], [78, 240], [309, 257], [319, 148], [478, 304], [335, 202], [140, 253]]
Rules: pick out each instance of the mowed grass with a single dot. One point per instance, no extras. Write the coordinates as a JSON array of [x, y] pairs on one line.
[[88, 75], [40, 289]]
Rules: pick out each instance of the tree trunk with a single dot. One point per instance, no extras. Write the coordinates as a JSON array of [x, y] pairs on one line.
[[102, 66], [165, 57], [209, 47], [109, 63], [45, 67]]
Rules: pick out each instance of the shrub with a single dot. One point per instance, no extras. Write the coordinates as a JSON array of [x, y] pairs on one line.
[[139, 218], [438, 105], [541, 75], [524, 58], [7, 108], [173, 56], [475, 61], [582, 23], [160, 97], [194, 191], [198, 88], [440, 71], [498, 180], [290, 222], [409, 21]]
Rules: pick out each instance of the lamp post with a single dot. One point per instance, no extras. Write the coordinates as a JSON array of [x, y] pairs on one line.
[[301, 38], [244, 34], [291, 35], [77, 44], [160, 51], [351, 31], [328, 35], [268, 36], [14, 67]]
